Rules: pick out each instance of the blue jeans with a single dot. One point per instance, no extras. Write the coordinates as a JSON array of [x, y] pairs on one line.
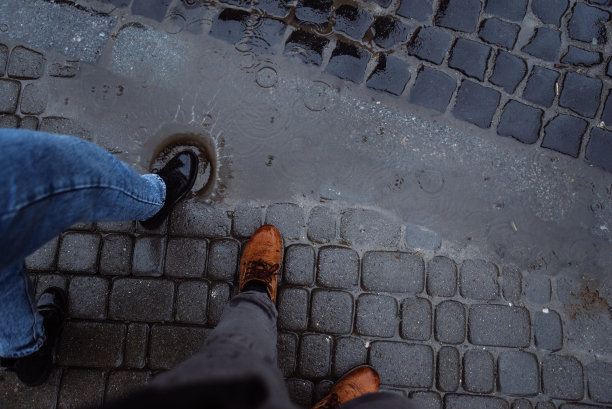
[[48, 183]]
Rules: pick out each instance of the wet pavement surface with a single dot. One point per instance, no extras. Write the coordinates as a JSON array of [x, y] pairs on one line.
[[441, 172]]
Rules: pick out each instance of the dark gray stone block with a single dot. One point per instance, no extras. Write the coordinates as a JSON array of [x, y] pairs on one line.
[[25, 64], [3, 58], [453, 401], [186, 258], [322, 225], [564, 134], [521, 404], [121, 384], [476, 104], [88, 297], [600, 381], [416, 319], [606, 115], [449, 324], [171, 345], [389, 32], [393, 272], [521, 122], [307, 47], [116, 254], [545, 44], [403, 365], [588, 24], [499, 325], [511, 10], [581, 94], [349, 352], [9, 95], [508, 72], [470, 57], [220, 294], [430, 44], [459, 15], [293, 308], [579, 56], [352, 21], [91, 344], [599, 149], [191, 302], [433, 89], [338, 267], [419, 10], [79, 252], [223, 259], [301, 392], [331, 312], [63, 126], [441, 277], [141, 300], [426, 399], [562, 377], [136, 343], [549, 11], [314, 358], [478, 280], [230, 25], [33, 99], [478, 371], [81, 388], [286, 348], [348, 62], [498, 32], [299, 265], [148, 259], [518, 373], [390, 75], [288, 219], [448, 369], [247, 219], [315, 12], [191, 218], [376, 315], [9, 121], [29, 122], [50, 280], [547, 330]]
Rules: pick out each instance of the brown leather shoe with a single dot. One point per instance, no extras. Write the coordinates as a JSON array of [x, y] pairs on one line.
[[262, 259], [355, 383]]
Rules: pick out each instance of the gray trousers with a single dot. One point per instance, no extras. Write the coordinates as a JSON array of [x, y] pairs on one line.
[[241, 351]]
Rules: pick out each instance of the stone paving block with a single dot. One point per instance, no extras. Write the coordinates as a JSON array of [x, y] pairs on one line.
[[521, 122], [155, 10], [3, 58], [191, 302], [430, 44], [588, 24], [33, 99], [322, 225], [338, 267], [307, 47], [352, 21], [81, 388], [288, 219], [321, 389], [23, 397], [301, 392], [314, 357], [579, 406], [579, 56], [316, 12], [25, 64], [223, 259], [274, 8], [63, 126], [43, 259], [9, 121], [478, 280], [609, 70], [478, 371], [293, 308], [562, 377], [390, 75], [606, 115], [9, 95], [545, 405], [470, 57], [401, 364], [448, 369], [521, 404], [545, 44], [122, 383], [449, 322], [116, 254], [141, 300], [499, 325], [187, 258], [66, 69], [91, 344], [50, 280], [220, 294], [581, 94], [433, 89], [426, 399], [547, 330], [416, 319], [190, 218], [420, 10], [148, 259], [510, 10], [599, 380], [536, 288], [348, 62], [331, 312], [564, 134], [267, 35], [476, 104], [498, 32], [453, 401], [29, 122], [389, 32], [136, 343], [376, 315], [549, 11], [459, 15], [599, 149], [540, 88], [171, 345], [286, 348], [518, 373], [349, 352], [247, 219], [393, 272], [362, 226], [230, 25], [88, 297], [299, 265], [79, 252]]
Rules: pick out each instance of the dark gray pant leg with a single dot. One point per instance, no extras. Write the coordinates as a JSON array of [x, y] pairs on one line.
[[381, 400]]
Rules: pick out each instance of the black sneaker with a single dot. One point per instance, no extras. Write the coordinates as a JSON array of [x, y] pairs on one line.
[[179, 174], [34, 369]]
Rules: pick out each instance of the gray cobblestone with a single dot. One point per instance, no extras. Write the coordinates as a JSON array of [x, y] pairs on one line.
[[545, 405], [171, 345], [416, 319], [453, 401], [331, 311], [579, 406], [22, 397], [393, 272], [426, 399], [148, 259], [301, 392], [125, 226], [91, 344], [223, 259], [220, 294], [338, 267], [322, 225], [3, 58], [80, 388], [191, 302], [368, 227], [536, 288], [190, 218], [562, 377], [499, 325], [136, 343], [441, 277], [288, 218], [449, 323], [600, 381], [401, 364], [116, 254], [293, 308], [185, 258], [25, 63], [33, 99], [122, 383], [29, 122], [322, 389], [287, 353], [44, 258], [547, 330], [518, 373], [478, 371], [521, 404], [299, 265], [79, 252], [511, 282], [448, 369], [478, 280], [50, 280], [247, 219], [376, 315], [314, 358], [88, 297], [9, 95], [349, 353], [141, 300], [9, 121]]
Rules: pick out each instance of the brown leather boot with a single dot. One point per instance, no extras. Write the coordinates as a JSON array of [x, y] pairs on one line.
[[355, 383], [262, 259]]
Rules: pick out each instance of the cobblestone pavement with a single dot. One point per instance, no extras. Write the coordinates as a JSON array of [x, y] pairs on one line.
[[358, 285]]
